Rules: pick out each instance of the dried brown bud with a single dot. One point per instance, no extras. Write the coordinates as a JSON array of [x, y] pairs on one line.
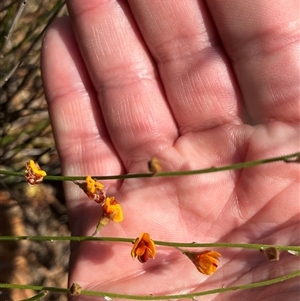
[[271, 253]]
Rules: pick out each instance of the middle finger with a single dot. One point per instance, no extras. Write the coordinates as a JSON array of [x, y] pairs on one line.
[[198, 81]]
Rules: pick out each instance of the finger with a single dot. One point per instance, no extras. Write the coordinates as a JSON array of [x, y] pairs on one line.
[[82, 141], [199, 84], [262, 40], [129, 92]]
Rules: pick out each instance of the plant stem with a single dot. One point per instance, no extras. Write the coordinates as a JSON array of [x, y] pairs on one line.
[[295, 157], [157, 242], [36, 297], [158, 297]]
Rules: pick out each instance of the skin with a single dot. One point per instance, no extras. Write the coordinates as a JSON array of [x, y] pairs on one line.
[[195, 84]]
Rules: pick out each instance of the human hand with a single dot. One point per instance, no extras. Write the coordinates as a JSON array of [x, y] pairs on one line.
[[196, 85]]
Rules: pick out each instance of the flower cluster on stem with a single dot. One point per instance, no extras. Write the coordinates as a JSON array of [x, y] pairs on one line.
[[111, 209], [206, 261]]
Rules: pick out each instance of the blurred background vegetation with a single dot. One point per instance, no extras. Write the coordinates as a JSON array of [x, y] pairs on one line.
[[25, 133]]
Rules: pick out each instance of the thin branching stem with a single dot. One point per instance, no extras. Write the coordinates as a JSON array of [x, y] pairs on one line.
[[36, 40], [295, 157], [157, 242], [12, 26], [36, 297], [158, 297]]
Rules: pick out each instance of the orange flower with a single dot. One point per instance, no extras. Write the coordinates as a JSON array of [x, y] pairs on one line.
[[33, 173], [206, 262], [111, 211], [143, 248], [93, 189]]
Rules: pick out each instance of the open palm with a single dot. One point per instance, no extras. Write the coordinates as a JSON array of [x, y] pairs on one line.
[[195, 84]]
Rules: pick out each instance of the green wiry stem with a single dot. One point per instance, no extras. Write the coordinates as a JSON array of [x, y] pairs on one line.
[[36, 297], [158, 297], [295, 157], [34, 287], [193, 295], [157, 242]]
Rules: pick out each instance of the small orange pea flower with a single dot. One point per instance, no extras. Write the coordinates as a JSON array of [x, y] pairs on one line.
[[33, 173], [93, 189], [111, 211], [206, 262], [143, 248]]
